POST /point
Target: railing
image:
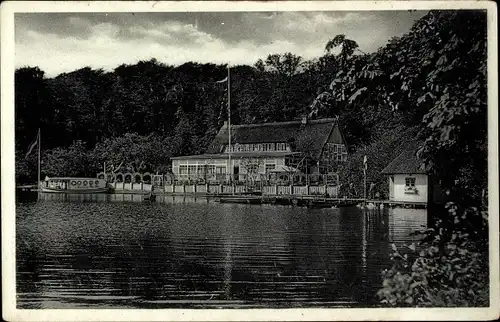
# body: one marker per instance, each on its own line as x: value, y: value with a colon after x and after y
x: 255, y: 180
x: 282, y: 184
x: 274, y: 190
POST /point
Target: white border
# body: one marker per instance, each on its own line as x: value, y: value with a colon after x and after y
x: 10, y: 312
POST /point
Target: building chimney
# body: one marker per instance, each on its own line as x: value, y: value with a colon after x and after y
x: 304, y: 119
x: 225, y: 124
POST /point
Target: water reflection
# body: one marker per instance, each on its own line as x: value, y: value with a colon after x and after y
x: 112, y: 252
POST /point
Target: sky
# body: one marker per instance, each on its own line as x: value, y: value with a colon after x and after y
x: 63, y: 42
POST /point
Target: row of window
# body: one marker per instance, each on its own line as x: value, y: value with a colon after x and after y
x: 219, y: 169
x: 258, y: 147
x: 202, y: 169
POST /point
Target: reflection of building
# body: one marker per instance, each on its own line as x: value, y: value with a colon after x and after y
x: 408, y: 182
x: 255, y: 150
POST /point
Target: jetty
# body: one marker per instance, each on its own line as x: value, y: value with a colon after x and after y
x: 314, y: 201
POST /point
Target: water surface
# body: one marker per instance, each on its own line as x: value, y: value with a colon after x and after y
x: 116, y: 251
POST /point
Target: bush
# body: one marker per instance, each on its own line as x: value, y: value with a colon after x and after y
x: 449, y: 268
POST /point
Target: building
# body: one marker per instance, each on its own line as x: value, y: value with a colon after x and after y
x: 265, y: 151
x: 407, y: 181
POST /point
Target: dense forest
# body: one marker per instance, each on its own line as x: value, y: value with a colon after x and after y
x: 428, y: 87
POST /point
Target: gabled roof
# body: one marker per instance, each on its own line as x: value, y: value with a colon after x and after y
x: 307, y: 138
x: 405, y: 163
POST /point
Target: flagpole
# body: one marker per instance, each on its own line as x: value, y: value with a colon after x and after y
x: 229, y: 118
x: 39, y: 161
x: 364, y: 172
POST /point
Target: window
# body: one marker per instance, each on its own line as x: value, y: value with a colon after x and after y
x: 211, y: 169
x: 191, y: 169
x: 410, y: 185
x: 335, y: 152
x: 254, y: 147
x: 270, y: 167
x: 220, y: 169
x: 410, y: 182
x: 281, y: 146
x: 183, y: 169
x: 201, y: 169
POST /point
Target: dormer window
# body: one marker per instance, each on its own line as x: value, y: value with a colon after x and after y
x: 281, y: 146
x: 257, y: 147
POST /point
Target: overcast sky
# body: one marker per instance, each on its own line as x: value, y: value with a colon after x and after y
x: 63, y: 42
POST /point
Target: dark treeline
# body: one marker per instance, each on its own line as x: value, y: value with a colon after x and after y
x: 429, y: 87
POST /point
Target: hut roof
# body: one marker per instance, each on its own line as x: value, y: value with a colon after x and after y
x: 406, y: 163
x: 308, y: 138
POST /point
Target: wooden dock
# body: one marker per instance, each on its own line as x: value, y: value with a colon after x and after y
x: 315, y: 201
x: 310, y: 201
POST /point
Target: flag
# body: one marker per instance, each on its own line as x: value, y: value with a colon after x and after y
x: 222, y: 81
x: 365, y: 163
x: 32, y: 146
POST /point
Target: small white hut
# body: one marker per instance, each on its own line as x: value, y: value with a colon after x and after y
x: 407, y: 181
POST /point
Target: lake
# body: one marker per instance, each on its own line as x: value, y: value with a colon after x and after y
x: 115, y: 251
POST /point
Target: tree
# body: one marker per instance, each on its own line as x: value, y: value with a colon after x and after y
x: 32, y: 107
x: 252, y: 167
x: 348, y: 47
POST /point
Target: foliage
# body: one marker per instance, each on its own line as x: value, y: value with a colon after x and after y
x: 348, y: 47
x: 435, y: 77
x: 437, y: 74
x: 70, y: 162
x: 132, y: 153
x: 252, y: 167
x: 380, y: 152
x: 448, y: 268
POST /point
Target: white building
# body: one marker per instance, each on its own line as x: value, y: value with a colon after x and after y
x: 261, y: 151
x: 407, y: 181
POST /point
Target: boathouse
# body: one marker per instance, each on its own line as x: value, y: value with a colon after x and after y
x: 408, y: 182
x: 268, y: 150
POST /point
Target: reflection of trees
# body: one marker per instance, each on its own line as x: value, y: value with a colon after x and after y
x: 28, y: 269
x: 346, y: 249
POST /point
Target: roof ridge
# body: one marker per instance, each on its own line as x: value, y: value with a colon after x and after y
x: 318, y: 121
